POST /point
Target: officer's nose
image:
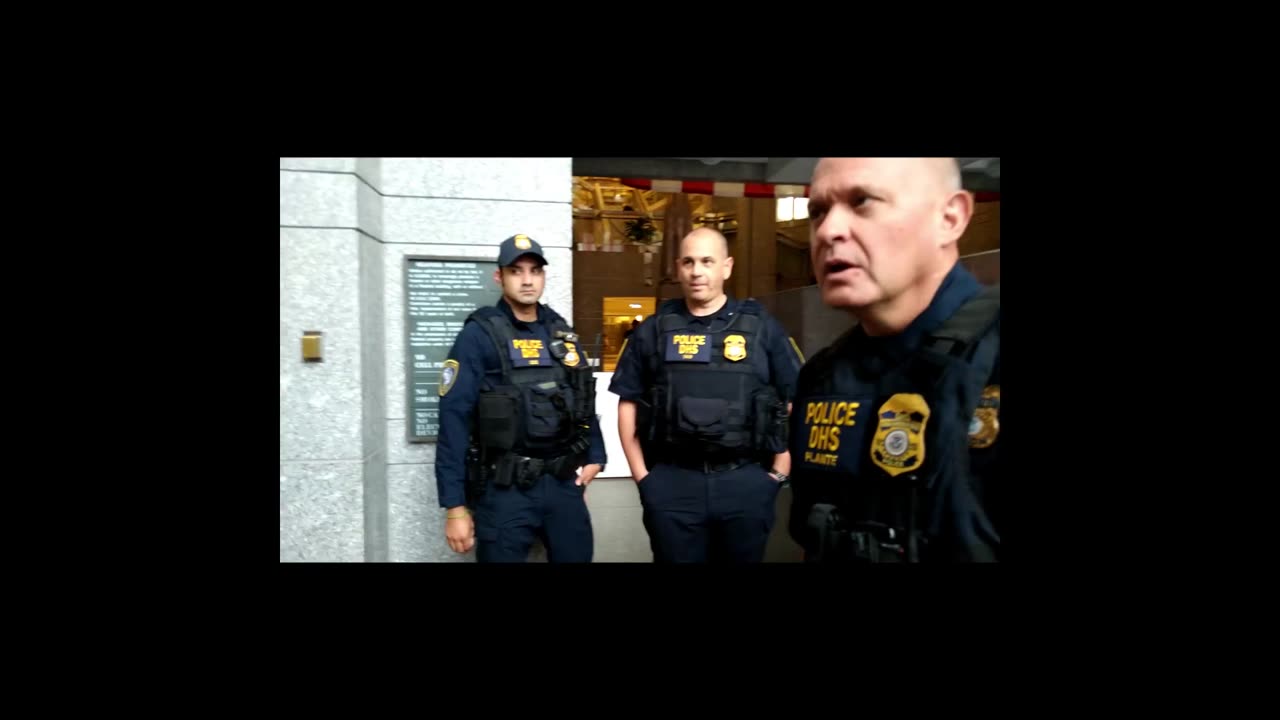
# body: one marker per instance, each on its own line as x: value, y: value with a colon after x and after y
x: 830, y: 230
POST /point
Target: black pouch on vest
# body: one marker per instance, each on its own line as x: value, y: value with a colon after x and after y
x: 496, y: 419
x: 769, y: 433
x: 548, y: 411
x: 650, y: 413
x: 702, y: 418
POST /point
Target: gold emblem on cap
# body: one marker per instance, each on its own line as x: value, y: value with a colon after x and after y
x: 522, y: 242
x: 985, y: 426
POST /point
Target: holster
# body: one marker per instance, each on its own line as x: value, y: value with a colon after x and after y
x: 824, y: 521
x: 835, y: 542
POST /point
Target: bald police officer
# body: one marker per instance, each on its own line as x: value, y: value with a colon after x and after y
x: 517, y: 422
x: 703, y: 386
x: 896, y: 424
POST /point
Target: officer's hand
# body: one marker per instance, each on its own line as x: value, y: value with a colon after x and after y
x: 588, y: 474
x: 460, y: 532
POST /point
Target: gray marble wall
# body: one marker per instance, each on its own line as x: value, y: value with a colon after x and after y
x: 351, y: 487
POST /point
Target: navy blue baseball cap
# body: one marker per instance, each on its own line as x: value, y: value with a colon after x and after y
x: 516, y: 247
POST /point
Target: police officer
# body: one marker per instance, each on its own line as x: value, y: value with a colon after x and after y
x: 517, y: 421
x: 895, y: 424
x: 703, y: 386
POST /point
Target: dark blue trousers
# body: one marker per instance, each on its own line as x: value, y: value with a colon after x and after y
x: 698, y: 517
x: 555, y: 511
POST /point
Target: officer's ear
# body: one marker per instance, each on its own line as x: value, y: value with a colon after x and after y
x: 728, y: 267
x: 497, y: 276
x: 956, y: 213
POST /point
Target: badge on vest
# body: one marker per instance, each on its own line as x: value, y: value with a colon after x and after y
x: 735, y: 348
x: 526, y: 352
x: 683, y: 347
x: 448, y: 376
x: 898, y: 445
x: 570, y: 358
x: 985, y: 426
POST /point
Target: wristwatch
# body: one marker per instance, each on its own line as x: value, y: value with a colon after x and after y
x: 782, y: 479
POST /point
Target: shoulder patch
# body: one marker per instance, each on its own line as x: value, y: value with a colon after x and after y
x: 448, y: 376
x: 796, y: 348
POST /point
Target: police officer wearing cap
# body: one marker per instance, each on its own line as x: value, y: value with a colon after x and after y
x: 517, y: 423
x: 895, y: 425
x: 703, y: 387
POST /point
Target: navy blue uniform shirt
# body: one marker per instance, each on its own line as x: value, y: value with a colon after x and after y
x: 779, y: 365
x: 480, y: 370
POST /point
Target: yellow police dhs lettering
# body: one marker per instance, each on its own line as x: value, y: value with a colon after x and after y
x: 687, y: 345
x: 824, y: 438
x: 829, y: 413
x: 824, y: 420
x: 528, y: 348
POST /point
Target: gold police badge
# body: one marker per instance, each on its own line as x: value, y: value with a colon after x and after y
x: 735, y: 347
x: 522, y: 242
x: 570, y: 358
x: 985, y: 426
x: 898, y: 445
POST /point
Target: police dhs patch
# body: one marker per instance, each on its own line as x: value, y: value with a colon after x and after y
x: 447, y: 376
x: 898, y: 445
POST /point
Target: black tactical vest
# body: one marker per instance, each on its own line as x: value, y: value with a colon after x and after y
x: 878, y: 441
x: 708, y: 399
x: 545, y: 399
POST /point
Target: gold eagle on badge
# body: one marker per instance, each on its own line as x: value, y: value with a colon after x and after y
x: 735, y: 348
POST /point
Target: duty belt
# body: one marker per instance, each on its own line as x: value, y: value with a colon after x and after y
x: 525, y: 471
x: 709, y: 465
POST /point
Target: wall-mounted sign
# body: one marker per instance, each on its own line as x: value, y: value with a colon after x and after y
x: 439, y: 295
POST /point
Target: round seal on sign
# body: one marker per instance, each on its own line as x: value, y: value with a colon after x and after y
x: 895, y: 443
